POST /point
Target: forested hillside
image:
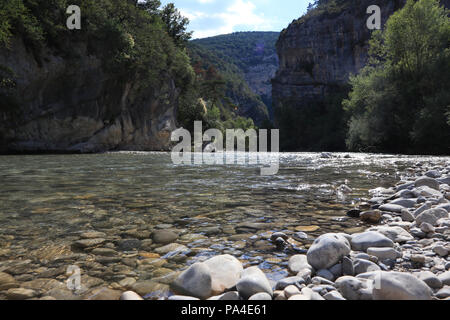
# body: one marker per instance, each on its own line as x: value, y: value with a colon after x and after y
x: 248, y: 56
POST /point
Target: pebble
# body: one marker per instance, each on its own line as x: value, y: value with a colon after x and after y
x: 106, y: 252
x: 430, y: 279
x: 391, y: 208
x: 426, y: 191
x: 426, y: 206
x: 300, y: 235
x: 277, y: 235
x: 279, y: 296
x: 253, y: 281
x: 427, y: 228
x: 416, y: 232
x: 433, y: 174
x: 363, y: 266
x: 183, y: 298
x: 418, y: 258
x: 336, y: 270
x: 311, y: 295
x: 88, y: 243
x: 334, y: 296
x: 445, y: 278
x: 164, y: 236
x: 326, y: 274
x: 283, y: 283
x: 262, y: 296
x: 371, y: 216
x: 347, y: 267
x: 130, y: 295
x: 319, y: 281
x: 228, y: 296
x: 369, y: 239
x: 428, y: 182
x: 328, y: 250
x: 7, y: 281
x: 395, y: 233
x: 290, y: 291
x: 353, y: 288
x: 299, y: 297
x: 195, y: 281
x: 398, y: 286
x: 173, y: 247
x: 225, y: 271
x: 405, y: 203
x: 20, y: 294
x: 384, y: 253
x: 297, y: 263
x: 129, y: 244
x: 104, y: 294
x: 431, y: 216
x: 443, y: 293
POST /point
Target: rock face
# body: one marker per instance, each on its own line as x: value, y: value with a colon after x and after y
x: 62, y: 108
x: 320, y: 50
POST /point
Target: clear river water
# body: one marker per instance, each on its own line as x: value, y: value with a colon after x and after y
x: 48, y: 201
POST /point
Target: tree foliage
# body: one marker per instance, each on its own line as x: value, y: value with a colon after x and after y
x: 398, y: 103
x: 129, y: 37
x: 176, y: 24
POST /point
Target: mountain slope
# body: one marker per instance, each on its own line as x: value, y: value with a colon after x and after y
x: 252, y: 55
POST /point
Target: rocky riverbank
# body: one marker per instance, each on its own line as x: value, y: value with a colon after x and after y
x: 403, y: 256
x: 392, y: 245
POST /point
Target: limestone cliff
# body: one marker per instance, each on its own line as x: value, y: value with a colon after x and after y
x: 61, y: 106
x: 321, y: 50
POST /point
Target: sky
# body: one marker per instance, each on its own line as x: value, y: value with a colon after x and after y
x: 213, y: 17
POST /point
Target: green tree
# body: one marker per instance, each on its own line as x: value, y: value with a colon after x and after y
x: 398, y: 103
x: 176, y: 24
x: 151, y: 6
x: 14, y: 15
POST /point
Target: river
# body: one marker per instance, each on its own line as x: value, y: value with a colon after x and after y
x: 47, y: 202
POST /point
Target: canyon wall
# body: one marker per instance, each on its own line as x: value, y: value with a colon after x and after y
x: 63, y: 105
x: 320, y: 50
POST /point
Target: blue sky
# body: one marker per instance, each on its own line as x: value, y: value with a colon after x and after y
x: 212, y: 17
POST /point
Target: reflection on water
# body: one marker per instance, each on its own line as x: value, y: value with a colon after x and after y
x: 47, y: 201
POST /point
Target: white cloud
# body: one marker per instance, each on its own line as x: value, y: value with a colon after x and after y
x: 240, y: 13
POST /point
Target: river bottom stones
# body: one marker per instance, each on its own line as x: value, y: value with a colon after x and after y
x: 406, y: 257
